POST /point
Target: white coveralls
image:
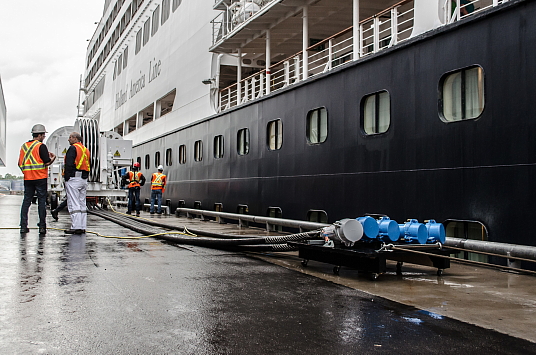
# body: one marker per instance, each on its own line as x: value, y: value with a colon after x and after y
x: 76, y: 200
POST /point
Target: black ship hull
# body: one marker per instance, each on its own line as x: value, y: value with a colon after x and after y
x: 473, y: 170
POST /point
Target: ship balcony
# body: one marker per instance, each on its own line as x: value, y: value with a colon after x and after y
x: 291, y: 41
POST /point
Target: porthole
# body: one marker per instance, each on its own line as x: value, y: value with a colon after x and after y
x: 376, y: 113
x: 461, y: 95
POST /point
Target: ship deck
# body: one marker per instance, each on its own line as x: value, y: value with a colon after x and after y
x: 89, y: 294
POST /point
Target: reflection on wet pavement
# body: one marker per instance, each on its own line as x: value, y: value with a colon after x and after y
x: 85, y: 294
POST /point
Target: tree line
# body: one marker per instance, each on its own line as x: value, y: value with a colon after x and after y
x: 8, y: 176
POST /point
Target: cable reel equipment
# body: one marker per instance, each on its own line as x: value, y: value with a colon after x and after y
x: 109, y: 154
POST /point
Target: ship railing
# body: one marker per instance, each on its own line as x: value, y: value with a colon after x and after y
x: 456, y: 10
x: 387, y: 28
x: 383, y: 30
x: 235, y: 14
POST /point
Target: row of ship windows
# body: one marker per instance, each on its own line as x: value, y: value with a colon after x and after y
x: 154, y: 111
x: 461, y: 98
x: 147, y: 31
x: 167, y: 7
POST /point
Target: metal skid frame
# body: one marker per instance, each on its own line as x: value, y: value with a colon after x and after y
x: 370, y: 260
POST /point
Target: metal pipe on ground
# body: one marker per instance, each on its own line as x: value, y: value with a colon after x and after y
x: 254, y: 219
x: 508, y: 250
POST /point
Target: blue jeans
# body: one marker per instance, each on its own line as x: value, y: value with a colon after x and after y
x: 156, y: 194
x: 134, y: 199
x: 31, y: 187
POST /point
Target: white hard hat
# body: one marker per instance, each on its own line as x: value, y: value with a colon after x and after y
x: 39, y: 128
x: 160, y: 167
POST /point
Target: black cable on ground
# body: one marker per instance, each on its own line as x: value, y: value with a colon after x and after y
x: 256, y: 243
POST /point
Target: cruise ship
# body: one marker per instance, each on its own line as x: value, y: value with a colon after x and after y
x: 326, y: 109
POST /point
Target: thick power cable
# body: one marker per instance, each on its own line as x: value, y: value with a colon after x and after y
x: 256, y: 243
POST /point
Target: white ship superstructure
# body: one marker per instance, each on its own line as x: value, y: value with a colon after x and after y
x: 145, y: 64
x: 157, y: 65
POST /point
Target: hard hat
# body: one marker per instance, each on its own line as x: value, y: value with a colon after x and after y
x: 160, y: 167
x: 39, y: 128
x: 136, y: 165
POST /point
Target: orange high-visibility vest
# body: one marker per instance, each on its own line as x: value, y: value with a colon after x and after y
x: 134, y: 178
x: 82, y: 157
x: 30, y: 161
x: 158, y: 181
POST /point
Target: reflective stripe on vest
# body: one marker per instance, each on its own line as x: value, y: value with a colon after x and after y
x: 158, y: 181
x: 30, y: 161
x: 134, y: 178
x: 82, y: 157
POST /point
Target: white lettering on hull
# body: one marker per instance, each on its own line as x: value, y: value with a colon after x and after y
x: 121, y: 97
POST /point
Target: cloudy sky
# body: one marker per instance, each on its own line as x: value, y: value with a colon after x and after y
x: 42, y: 50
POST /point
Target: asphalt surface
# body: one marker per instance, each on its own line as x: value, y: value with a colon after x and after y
x: 65, y: 294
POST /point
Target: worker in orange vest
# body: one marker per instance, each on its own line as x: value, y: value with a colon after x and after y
x: 34, y: 159
x: 135, y: 180
x: 158, y: 186
x: 76, y: 174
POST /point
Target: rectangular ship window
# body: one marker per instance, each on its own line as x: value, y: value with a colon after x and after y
x: 130, y: 124
x: 275, y: 134
x: 128, y: 15
x: 218, y: 147
x: 462, y: 94
x: 243, y: 141
x: 376, y: 113
x: 119, y: 129
x: 176, y: 4
x: 156, y: 20
x: 182, y: 154
x: 198, y: 150
x: 146, y: 115
x: 169, y: 159
x: 125, y: 57
x: 156, y: 159
x: 317, y: 125
x: 165, y: 10
x: 119, y: 64
x: 165, y: 104
x: 146, y: 29
x: 147, y: 161
x: 138, y: 41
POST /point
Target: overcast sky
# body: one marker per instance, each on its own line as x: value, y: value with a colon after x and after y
x: 42, y: 50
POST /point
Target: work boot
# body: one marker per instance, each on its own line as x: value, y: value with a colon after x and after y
x: 24, y: 230
x: 54, y: 214
x: 42, y: 230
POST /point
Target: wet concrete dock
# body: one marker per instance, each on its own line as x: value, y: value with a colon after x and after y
x: 91, y: 295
